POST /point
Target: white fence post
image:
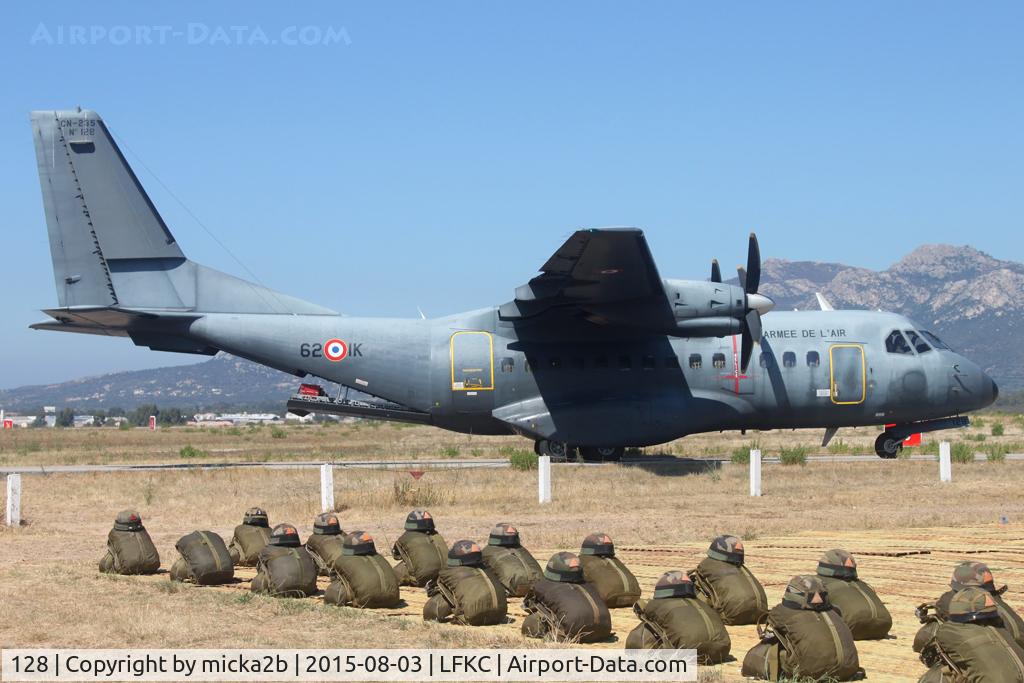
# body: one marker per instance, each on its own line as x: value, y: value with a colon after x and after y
x: 13, y: 500
x: 945, y: 465
x: 327, y: 487
x: 544, y: 479
x: 755, y: 472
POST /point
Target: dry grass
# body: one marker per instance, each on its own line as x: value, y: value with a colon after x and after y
x: 48, y: 579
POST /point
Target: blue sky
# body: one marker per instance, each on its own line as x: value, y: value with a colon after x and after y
x: 438, y: 154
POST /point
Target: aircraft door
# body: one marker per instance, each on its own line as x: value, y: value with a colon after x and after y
x: 472, y: 371
x: 847, y: 374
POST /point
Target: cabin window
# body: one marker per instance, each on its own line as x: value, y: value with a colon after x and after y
x: 897, y: 343
x: 920, y: 344
x: 813, y: 359
x: 789, y: 359
x: 649, y: 363
x: 936, y: 342
x: 625, y: 362
x: 696, y: 361
x: 672, y: 362
x: 765, y: 360
x: 718, y: 360
x: 507, y: 365
x: 601, y: 362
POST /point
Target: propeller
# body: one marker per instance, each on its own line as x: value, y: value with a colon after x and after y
x: 757, y: 304
x: 716, y: 272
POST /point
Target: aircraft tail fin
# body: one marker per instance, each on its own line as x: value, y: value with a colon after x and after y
x: 111, y: 248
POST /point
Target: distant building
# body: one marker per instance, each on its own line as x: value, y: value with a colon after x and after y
x: 83, y: 421
x: 50, y: 415
x: 217, y: 419
x: 303, y: 419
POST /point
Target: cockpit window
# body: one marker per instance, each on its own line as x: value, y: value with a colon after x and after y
x: 897, y: 343
x: 936, y: 342
x: 920, y: 344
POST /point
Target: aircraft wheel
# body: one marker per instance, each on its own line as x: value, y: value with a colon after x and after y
x: 557, y: 450
x: 602, y: 453
x: 887, y: 446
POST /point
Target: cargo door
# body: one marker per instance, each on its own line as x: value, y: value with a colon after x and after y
x: 472, y: 371
x: 847, y: 374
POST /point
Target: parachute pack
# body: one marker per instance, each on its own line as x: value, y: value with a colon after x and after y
x: 204, y: 560
x: 676, y: 619
x: 362, y: 578
x: 723, y: 580
x: 421, y: 551
x: 562, y: 607
x: 325, y: 545
x: 804, y: 638
x: 858, y: 604
x: 284, y: 567
x: 973, y: 644
x: 249, y: 538
x: 510, y: 562
x: 614, y: 582
x: 130, y: 550
x: 465, y: 592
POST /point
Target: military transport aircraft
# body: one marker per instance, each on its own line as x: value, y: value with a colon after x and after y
x: 596, y: 353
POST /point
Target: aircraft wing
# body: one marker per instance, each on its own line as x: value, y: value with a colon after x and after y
x: 606, y: 276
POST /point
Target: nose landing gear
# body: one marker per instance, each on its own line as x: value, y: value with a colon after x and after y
x: 888, y: 446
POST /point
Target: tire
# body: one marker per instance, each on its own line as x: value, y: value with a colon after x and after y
x: 602, y: 453
x: 887, y: 446
x: 556, y: 450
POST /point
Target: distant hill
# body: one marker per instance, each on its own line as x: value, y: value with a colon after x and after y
x: 972, y: 300
x: 221, y: 382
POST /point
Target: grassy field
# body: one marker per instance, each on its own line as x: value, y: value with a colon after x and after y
x: 375, y: 440
x: 660, y: 518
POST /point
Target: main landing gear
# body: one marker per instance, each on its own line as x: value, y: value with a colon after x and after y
x: 888, y: 446
x: 560, y: 451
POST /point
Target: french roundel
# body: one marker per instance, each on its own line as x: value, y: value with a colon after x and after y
x: 335, y: 349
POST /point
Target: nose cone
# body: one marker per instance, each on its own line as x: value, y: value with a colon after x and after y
x: 760, y: 303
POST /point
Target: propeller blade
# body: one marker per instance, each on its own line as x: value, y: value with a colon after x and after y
x: 716, y: 272
x: 746, y: 349
x: 753, y: 266
x: 742, y: 273
x: 753, y: 320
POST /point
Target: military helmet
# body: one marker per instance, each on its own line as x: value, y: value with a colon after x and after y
x: 727, y: 549
x: 806, y: 592
x: 839, y: 564
x: 128, y: 520
x: 419, y: 520
x: 504, y: 535
x: 285, y: 535
x: 465, y: 554
x: 674, y: 584
x: 358, y: 543
x: 255, y: 517
x: 598, y: 544
x: 564, y: 567
x: 972, y: 575
x: 972, y: 605
x: 327, y: 524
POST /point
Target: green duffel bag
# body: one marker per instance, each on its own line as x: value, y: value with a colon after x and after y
x: 564, y: 608
x: 284, y: 568
x: 975, y: 645
x: 856, y: 601
x: 130, y: 550
x: 815, y: 641
x: 249, y: 538
x: 325, y: 545
x: 723, y: 580
x: 978, y: 575
x: 362, y: 578
x: 421, y: 551
x: 762, y: 661
x: 678, y: 620
x: 465, y: 591
x: 614, y: 582
x: 204, y: 560
x: 510, y: 562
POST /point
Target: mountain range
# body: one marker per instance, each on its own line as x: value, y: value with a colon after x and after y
x: 973, y: 301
